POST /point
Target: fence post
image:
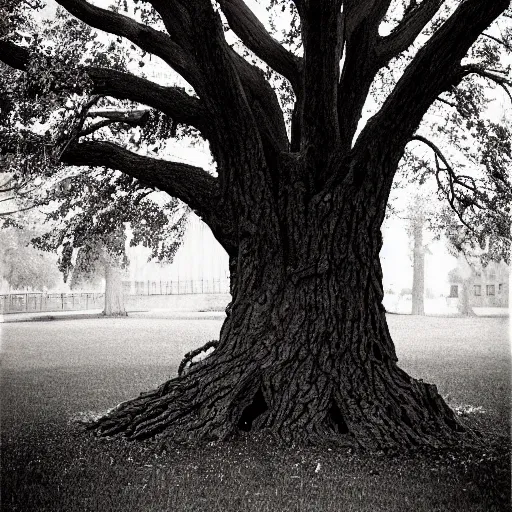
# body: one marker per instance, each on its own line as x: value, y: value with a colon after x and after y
x: 62, y: 300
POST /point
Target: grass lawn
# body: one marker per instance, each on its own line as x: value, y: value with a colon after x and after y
x: 53, y: 372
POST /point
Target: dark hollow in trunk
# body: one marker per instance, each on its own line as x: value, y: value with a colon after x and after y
x: 305, y: 352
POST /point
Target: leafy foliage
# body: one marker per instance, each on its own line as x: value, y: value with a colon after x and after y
x: 98, y: 207
x: 90, y: 210
x: 21, y: 265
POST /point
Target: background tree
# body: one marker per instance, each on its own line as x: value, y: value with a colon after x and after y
x: 418, y: 214
x: 305, y: 352
x: 89, y: 229
x: 85, y: 212
x: 418, y: 277
x: 463, y: 276
x: 22, y: 266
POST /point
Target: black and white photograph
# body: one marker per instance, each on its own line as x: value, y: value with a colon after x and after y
x: 255, y: 255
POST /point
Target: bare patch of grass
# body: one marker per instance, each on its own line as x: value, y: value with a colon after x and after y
x: 55, y: 372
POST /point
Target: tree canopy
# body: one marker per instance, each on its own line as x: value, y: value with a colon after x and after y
x: 387, y: 50
x: 22, y: 266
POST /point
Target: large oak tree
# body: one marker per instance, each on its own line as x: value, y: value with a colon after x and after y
x: 305, y: 352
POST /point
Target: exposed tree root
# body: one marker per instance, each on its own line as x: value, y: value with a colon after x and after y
x: 195, y: 356
x: 372, y: 406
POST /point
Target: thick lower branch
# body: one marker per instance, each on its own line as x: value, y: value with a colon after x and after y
x: 173, y: 101
x: 192, y: 185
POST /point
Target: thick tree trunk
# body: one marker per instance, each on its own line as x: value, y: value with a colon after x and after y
x: 114, y: 296
x: 305, y: 352
x: 418, y: 275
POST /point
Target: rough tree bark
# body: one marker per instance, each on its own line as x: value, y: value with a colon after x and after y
x: 305, y: 352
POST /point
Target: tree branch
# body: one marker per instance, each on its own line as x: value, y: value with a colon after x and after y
x: 147, y: 38
x: 453, y: 179
x: 497, y: 40
x: 128, y: 117
x: 95, y: 127
x: 322, y: 38
x: 172, y: 101
x: 446, y: 102
x: 407, y: 31
x: 502, y: 81
x: 131, y: 117
x: 434, y: 69
x: 31, y: 207
x: 263, y: 102
x: 251, y: 31
x: 361, y: 27
x: 13, y: 55
x: 192, y: 185
x: 434, y: 148
x: 360, y: 12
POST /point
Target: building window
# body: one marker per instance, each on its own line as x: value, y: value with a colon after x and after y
x: 500, y: 288
x: 454, y: 290
x: 478, y: 290
x: 490, y: 289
